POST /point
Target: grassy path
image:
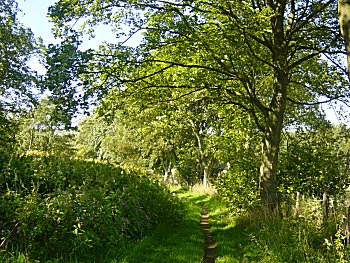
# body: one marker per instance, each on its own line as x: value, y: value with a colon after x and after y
x: 252, y: 238
x: 179, y: 241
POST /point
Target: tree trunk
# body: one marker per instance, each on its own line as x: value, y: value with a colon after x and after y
x: 205, y: 176
x: 167, y: 173
x: 31, y: 139
x: 275, y: 114
x: 270, y: 146
x: 297, y: 205
x: 345, y: 228
x: 207, y: 171
x: 268, y: 169
x: 166, y: 176
x: 325, y: 206
x: 344, y: 21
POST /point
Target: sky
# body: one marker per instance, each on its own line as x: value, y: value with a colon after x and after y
x: 35, y: 16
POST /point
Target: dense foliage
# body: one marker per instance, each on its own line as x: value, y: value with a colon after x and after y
x: 64, y: 208
x: 17, y: 46
x: 315, y: 161
x: 222, y: 93
x: 17, y: 79
x: 265, y: 57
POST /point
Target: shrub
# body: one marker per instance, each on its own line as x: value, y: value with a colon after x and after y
x: 64, y: 208
x: 239, y: 189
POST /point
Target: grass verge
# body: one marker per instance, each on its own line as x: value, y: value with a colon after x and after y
x: 256, y: 238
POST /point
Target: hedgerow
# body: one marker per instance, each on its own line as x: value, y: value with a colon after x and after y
x: 54, y: 207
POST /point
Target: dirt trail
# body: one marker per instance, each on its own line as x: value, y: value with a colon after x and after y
x: 209, y: 250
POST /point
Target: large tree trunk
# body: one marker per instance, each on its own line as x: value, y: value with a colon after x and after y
x: 344, y: 20
x: 270, y: 147
x: 272, y: 137
x: 268, y: 168
x: 275, y: 114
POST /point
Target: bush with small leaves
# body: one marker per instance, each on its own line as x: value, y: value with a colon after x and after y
x: 59, y: 207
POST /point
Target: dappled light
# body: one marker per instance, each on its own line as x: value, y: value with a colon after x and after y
x: 184, y: 131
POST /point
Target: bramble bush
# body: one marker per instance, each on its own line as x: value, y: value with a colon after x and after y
x: 54, y: 207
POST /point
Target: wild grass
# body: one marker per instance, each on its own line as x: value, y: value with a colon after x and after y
x: 254, y: 237
x: 178, y: 242
x: 199, y: 189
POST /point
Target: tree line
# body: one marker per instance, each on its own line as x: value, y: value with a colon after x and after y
x: 230, y: 91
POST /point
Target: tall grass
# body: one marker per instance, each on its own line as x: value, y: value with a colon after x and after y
x: 249, y: 237
x: 254, y: 237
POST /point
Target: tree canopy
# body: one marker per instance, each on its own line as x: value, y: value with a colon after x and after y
x: 17, y: 46
x: 17, y: 79
x: 268, y: 58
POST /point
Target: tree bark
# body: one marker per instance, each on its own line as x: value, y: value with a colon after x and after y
x: 344, y: 21
x: 271, y: 142
x: 268, y: 168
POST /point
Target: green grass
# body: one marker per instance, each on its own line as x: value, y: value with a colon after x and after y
x: 178, y: 241
x: 257, y: 238
x: 245, y: 238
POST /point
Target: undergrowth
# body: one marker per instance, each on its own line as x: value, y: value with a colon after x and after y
x: 65, y: 209
x: 125, y: 207
x: 254, y: 237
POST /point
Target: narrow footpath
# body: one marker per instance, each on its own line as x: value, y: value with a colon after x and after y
x: 209, y: 249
